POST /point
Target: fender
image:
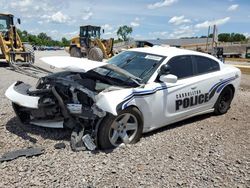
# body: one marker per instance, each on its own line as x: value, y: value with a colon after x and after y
x: 115, y: 101
x: 108, y: 101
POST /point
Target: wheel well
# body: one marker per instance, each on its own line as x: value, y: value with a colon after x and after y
x: 216, y: 107
x: 231, y: 87
x: 133, y: 106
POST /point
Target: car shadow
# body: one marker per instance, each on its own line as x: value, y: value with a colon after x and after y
x: 185, y: 122
x: 25, y: 131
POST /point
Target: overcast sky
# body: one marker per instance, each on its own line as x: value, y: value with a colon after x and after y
x: 150, y: 19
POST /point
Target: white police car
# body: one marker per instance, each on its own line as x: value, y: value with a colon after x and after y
x: 136, y: 91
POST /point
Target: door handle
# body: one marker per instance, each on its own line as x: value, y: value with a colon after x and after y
x: 193, y: 87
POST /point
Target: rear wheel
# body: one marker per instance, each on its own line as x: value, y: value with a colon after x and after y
x: 75, y: 52
x: 126, y: 128
x: 223, y: 103
x: 95, y: 54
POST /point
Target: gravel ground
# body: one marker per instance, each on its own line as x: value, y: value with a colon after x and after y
x: 205, y: 151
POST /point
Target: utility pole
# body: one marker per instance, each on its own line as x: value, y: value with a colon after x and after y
x: 207, y: 38
x: 215, y: 38
x: 216, y: 35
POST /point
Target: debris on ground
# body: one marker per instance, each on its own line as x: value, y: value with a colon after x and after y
x: 60, y: 145
x: 29, y: 152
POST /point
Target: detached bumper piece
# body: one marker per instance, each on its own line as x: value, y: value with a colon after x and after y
x: 80, y: 141
x: 29, y: 152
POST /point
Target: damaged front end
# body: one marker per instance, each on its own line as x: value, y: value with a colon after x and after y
x: 62, y: 100
x: 78, y: 98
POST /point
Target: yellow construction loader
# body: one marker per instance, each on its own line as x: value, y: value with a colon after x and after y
x: 13, y: 51
x: 89, y: 44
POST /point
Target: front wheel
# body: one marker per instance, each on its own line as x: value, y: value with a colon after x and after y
x: 75, y: 52
x: 223, y: 102
x: 126, y: 128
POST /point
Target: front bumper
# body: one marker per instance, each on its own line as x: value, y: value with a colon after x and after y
x: 17, y: 93
x: 39, y: 111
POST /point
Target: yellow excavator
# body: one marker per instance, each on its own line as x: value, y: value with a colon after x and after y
x: 13, y: 51
x: 89, y: 44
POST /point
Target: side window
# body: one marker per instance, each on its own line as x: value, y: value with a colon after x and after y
x: 205, y: 65
x: 181, y: 66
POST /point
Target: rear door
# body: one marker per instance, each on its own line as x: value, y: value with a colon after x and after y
x: 210, y: 80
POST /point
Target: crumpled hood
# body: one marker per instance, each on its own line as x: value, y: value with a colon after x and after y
x: 72, y: 63
x: 84, y: 65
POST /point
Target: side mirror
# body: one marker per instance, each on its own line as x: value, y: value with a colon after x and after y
x: 19, y: 21
x: 170, y: 78
x: 102, y: 30
x: 165, y: 69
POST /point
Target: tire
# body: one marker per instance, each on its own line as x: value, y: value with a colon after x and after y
x: 95, y: 54
x: 224, y: 100
x: 75, y: 52
x: 114, y: 130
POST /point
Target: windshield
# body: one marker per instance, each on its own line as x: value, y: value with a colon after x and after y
x: 4, y: 23
x: 141, y: 65
x: 95, y: 33
x: 92, y: 32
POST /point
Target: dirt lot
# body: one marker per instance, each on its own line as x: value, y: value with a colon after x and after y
x: 205, y: 151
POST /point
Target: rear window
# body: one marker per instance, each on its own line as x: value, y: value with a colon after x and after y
x: 205, y: 65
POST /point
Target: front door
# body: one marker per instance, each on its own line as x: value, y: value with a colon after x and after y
x: 173, y: 101
x: 185, y: 95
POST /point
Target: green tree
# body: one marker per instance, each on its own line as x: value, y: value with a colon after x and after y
x: 224, y: 37
x: 237, y: 37
x: 42, y: 39
x: 65, y: 42
x: 231, y: 37
x: 44, y: 36
x: 23, y: 35
x: 123, y: 32
x: 210, y: 35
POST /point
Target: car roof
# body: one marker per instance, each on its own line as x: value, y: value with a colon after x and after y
x: 171, y: 51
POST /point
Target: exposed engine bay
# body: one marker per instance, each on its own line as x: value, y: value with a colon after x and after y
x: 69, y: 98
